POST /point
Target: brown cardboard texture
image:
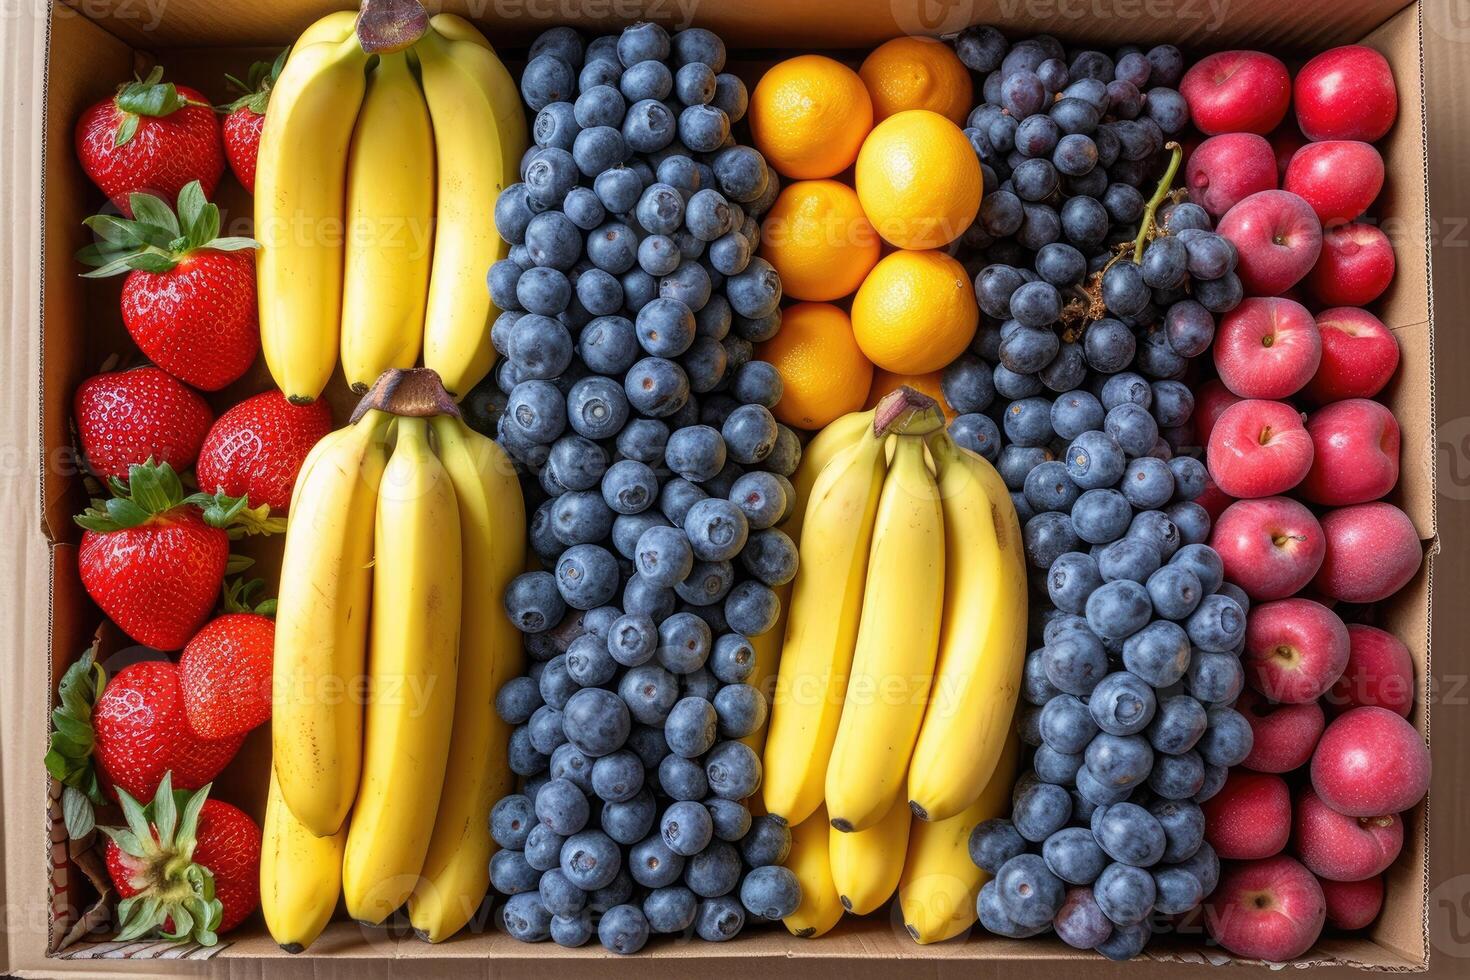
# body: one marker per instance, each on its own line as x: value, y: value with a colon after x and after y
x: 92, y: 45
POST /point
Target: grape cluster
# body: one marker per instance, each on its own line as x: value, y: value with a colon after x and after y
x: 1069, y: 150
x: 632, y: 302
x: 1101, y: 296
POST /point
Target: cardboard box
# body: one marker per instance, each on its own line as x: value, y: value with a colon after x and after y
x: 93, y: 43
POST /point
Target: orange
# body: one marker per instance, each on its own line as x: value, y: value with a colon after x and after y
x: 809, y: 115
x: 885, y: 381
x: 917, y: 73
x: 818, y: 238
x: 823, y: 373
x: 918, y: 179
x: 915, y: 312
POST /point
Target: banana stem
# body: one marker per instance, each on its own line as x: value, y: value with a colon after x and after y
x: 407, y: 392
x: 907, y: 411
x: 384, y: 26
x: 1176, y: 154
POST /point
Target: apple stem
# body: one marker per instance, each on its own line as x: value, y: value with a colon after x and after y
x: 1166, y: 183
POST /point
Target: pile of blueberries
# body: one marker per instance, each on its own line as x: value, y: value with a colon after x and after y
x: 1076, y: 397
x: 632, y: 402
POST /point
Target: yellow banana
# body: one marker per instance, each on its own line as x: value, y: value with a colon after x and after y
x: 390, y: 226
x: 821, y: 629
x: 893, y: 661
x: 300, y: 876
x: 940, y: 883
x: 982, y: 645
x: 415, y: 648
x: 810, y: 861
x: 322, y: 624
x: 335, y: 26
x: 814, y: 458
x: 492, y: 521
x: 456, y: 28
x: 299, y: 199
x: 479, y: 137
x: 866, y: 864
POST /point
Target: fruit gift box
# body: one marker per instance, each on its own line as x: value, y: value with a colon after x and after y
x: 197, y: 43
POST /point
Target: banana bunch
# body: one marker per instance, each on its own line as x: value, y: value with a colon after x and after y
x: 903, y: 648
x: 388, y: 137
x: 391, y: 641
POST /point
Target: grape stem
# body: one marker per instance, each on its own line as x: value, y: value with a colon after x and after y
x: 1176, y: 154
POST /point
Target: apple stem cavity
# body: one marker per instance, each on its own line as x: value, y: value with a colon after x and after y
x: 1166, y: 183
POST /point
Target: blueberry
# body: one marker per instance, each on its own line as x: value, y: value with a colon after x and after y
x: 670, y: 909
x: 608, y: 345
x: 656, y: 387
x: 539, y: 347
x: 733, y: 769
x: 684, y: 644
x: 1095, y: 460
x: 1125, y: 893
x: 619, y: 188
x: 993, y: 915
x: 993, y: 842
x: 690, y: 728
x: 546, y: 79
x: 689, y: 284
x: 756, y: 291
x: 543, y: 848
x: 546, y: 729
x: 1227, y: 739
x: 628, y: 822
x: 1075, y: 662
x: 556, y: 683
x: 1056, y: 767
x: 596, y: 721
x: 511, y: 820
x: 643, y: 41
x: 1119, y: 609
x: 1066, y: 724
x: 1155, y: 526
x: 771, y: 892
x: 568, y: 763
x: 751, y: 608
x: 525, y: 918
x: 1119, y: 761
x: 599, y: 71
x: 1177, y: 777
x: 516, y: 700
x: 1041, y: 809
x: 771, y: 556
x: 730, y: 96
x: 612, y: 247
x: 1048, y: 536
x: 1129, y: 834
x: 1159, y: 653
x: 533, y: 602
x: 1074, y: 856
x: 979, y: 434
x: 740, y: 709
x: 1072, y: 577
x: 1217, y: 625
x: 1028, y: 891
x: 686, y: 829
x: 588, y: 661
x: 1098, y: 793
x: 559, y: 895
x: 652, y: 863
x: 650, y: 692
x: 599, y: 105
x: 1175, y: 591
x: 1122, y: 704
x: 1129, y: 558
x: 717, y: 528
x: 682, y: 779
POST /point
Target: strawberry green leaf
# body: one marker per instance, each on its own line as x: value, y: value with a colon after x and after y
x: 236, y: 564
x: 150, y: 210
x: 126, y: 130
x: 77, y: 812
x: 151, y: 489
x: 115, y: 231
x: 150, y: 96
x: 69, y: 755
x: 235, y: 515
x: 239, y: 597
x: 255, y: 90
x: 149, y: 262
x: 233, y: 244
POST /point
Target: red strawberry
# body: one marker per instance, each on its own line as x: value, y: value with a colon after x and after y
x: 189, y: 297
x: 127, y: 417
x: 151, y: 136
x: 225, y: 671
x: 245, y: 117
x: 185, y: 866
x: 140, y: 733
x: 153, y: 560
x: 256, y: 449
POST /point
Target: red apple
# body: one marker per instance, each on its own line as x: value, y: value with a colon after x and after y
x: 1229, y: 167
x: 1266, y: 910
x: 1237, y: 92
x: 1346, y: 94
x: 1267, y: 348
x: 1355, y: 453
x: 1355, y: 267
x: 1271, y: 547
x: 1369, y: 762
x: 1250, y: 817
x: 1295, y: 649
x: 1284, y: 734
x: 1278, y: 237
x: 1353, y: 904
x: 1342, y: 848
x: 1214, y: 500
x: 1379, y: 672
x: 1359, y: 355
x: 1285, y: 141
x: 1258, y: 449
x: 1210, y: 399
x: 1372, y: 552
x: 1338, y: 178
